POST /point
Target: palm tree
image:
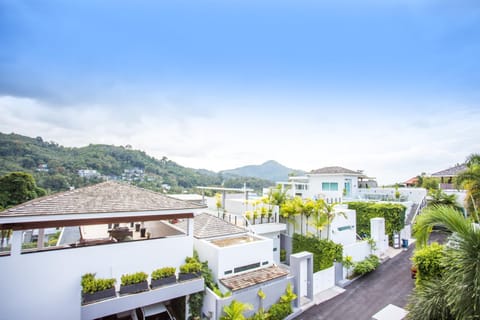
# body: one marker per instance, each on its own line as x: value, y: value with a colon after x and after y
x: 235, y: 310
x: 320, y: 218
x: 470, y: 181
x: 331, y: 214
x: 459, y: 286
x: 277, y: 197
x: 438, y: 197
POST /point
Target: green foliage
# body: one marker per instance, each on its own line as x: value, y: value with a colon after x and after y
x: 283, y: 254
x: 163, y: 273
x: 428, y: 261
x: 20, y: 153
x: 91, y: 285
x: 235, y: 310
x: 279, y: 311
x: 430, y: 183
x: 429, y: 302
x: 128, y: 279
x: 195, y: 303
x: 368, y: 265
x: 394, y: 215
x: 191, y: 267
x: 18, y: 187
x: 219, y: 293
x: 325, y: 252
x: 261, y: 294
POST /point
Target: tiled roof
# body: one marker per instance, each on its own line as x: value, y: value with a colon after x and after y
x: 335, y: 170
x: 450, y: 172
x: 208, y: 226
x: 251, y: 278
x: 104, y: 197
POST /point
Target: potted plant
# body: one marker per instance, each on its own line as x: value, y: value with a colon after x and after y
x: 163, y: 276
x: 96, y: 289
x: 190, y: 270
x: 133, y: 283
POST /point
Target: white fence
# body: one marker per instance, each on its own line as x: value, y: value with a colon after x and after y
x: 323, y: 280
x: 358, y: 251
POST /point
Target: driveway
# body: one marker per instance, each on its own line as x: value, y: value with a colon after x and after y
x: 390, y: 283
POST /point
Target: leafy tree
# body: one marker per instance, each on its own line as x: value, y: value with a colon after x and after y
x: 457, y: 293
x: 470, y: 180
x: 18, y: 187
x: 235, y: 310
x: 430, y: 183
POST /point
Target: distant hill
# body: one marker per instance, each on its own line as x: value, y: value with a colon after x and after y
x: 270, y: 170
x: 55, y: 167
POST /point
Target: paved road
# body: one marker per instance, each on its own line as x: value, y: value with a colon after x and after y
x: 390, y: 283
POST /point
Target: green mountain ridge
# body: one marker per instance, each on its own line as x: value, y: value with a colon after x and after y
x: 55, y: 167
x: 270, y: 170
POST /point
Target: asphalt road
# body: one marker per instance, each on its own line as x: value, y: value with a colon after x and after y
x: 390, y: 283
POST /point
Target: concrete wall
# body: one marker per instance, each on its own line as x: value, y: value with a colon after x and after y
x: 221, y: 259
x: 315, y: 187
x: 323, y: 280
x: 411, y: 194
x: 46, y: 285
x: 358, y: 251
x: 273, y: 290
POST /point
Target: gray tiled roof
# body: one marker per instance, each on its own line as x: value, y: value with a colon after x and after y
x: 251, y: 278
x: 450, y: 172
x: 335, y: 170
x: 208, y: 226
x: 104, y: 197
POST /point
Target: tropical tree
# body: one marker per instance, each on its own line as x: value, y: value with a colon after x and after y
x: 18, y: 187
x: 438, y: 197
x: 291, y: 209
x: 320, y: 219
x: 470, y: 181
x: 235, y: 310
x: 277, y: 197
x: 456, y: 295
x: 331, y: 213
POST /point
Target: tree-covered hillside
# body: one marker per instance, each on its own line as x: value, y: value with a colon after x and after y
x: 57, y: 168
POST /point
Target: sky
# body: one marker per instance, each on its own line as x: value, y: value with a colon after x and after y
x: 388, y: 87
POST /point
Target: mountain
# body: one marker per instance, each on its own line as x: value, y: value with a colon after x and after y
x: 56, y: 168
x: 270, y: 170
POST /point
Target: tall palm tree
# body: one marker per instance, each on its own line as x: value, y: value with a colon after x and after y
x: 438, y: 197
x: 461, y: 280
x: 470, y: 181
x: 320, y: 218
x: 235, y: 310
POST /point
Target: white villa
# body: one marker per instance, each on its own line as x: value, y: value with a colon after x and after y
x: 330, y: 183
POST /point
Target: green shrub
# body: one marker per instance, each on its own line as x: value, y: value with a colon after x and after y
x: 191, y: 267
x: 428, y: 261
x: 163, y: 273
x: 92, y: 285
x: 279, y: 311
x: 394, y: 215
x: 283, y: 255
x: 368, y: 265
x: 128, y: 279
x: 325, y: 252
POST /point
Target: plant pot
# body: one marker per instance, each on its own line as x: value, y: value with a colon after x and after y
x: 188, y: 276
x: 99, y: 295
x: 163, y: 281
x: 134, y: 288
x: 143, y: 231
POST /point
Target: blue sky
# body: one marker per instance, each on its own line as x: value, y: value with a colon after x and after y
x: 389, y: 87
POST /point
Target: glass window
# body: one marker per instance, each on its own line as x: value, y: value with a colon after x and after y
x: 329, y: 186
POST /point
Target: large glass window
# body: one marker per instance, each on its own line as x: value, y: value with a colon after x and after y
x: 329, y: 186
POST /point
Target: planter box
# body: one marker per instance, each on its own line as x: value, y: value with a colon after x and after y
x: 99, y: 295
x: 188, y: 276
x: 163, y: 281
x: 134, y: 288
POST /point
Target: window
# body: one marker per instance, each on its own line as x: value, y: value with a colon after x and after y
x: 329, y: 186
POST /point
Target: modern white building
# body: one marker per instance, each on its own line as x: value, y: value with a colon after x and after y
x: 109, y: 229
x: 330, y: 183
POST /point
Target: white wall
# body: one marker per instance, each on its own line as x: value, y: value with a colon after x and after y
x: 46, y: 285
x: 358, y: 251
x: 221, y: 259
x: 323, y: 280
x: 346, y: 236
x: 412, y: 194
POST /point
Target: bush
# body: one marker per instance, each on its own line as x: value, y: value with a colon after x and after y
x: 128, y: 279
x: 92, y: 285
x: 191, y: 267
x: 428, y: 261
x: 325, y: 252
x: 163, y: 273
x: 394, y: 215
x: 279, y: 311
x: 368, y: 265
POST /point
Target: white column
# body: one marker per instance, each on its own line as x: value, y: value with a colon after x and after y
x: 16, y: 248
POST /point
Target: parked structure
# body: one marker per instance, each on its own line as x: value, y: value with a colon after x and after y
x: 109, y: 229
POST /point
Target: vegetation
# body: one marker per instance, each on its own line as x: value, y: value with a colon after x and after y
x: 394, y: 215
x: 348, y: 264
x: 18, y: 187
x: 456, y: 294
x: 128, y: 279
x: 163, y: 273
x: 91, y: 285
x: 368, y: 265
x: 440, y: 198
x: 428, y: 262
x: 470, y: 181
x: 25, y: 154
x: 235, y: 310
x: 325, y: 252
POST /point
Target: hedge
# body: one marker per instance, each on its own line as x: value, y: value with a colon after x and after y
x: 428, y: 261
x: 394, y: 215
x: 325, y: 252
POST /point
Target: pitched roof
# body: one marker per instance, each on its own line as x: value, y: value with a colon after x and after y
x: 104, y: 197
x: 450, y: 172
x: 335, y: 170
x: 254, y: 277
x: 208, y: 226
